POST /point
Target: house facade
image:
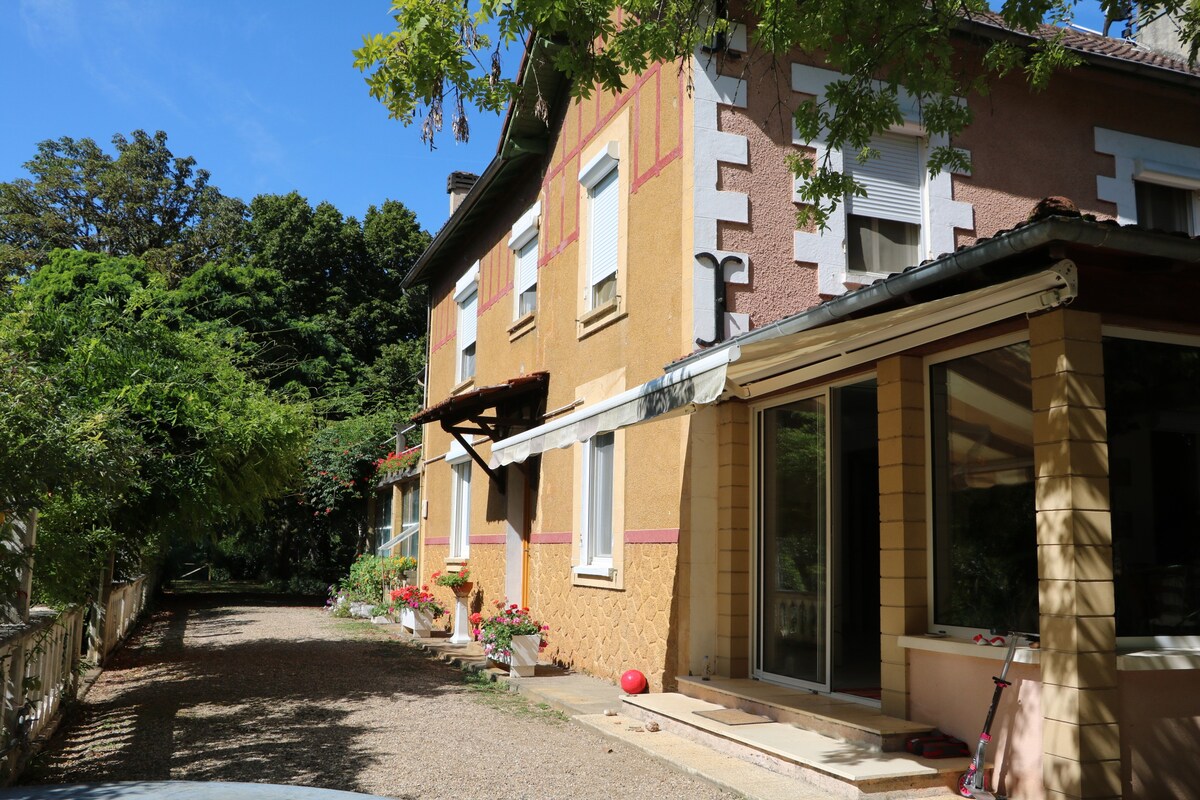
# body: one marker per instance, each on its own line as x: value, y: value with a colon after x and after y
x: 698, y: 441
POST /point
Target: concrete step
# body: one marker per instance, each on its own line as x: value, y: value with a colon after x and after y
x: 845, y: 769
x: 837, y: 717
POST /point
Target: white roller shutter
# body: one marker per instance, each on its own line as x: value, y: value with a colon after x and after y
x: 467, y: 312
x: 527, y: 258
x: 603, y: 229
x: 892, y: 181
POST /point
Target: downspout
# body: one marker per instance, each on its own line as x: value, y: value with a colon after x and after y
x: 719, y: 298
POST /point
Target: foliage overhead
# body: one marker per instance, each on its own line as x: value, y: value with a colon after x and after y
x: 145, y: 202
x: 165, y: 434
x: 438, y: 56
x: 179, y: 367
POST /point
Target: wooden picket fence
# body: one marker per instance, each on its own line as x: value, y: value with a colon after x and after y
x: 40, y: 667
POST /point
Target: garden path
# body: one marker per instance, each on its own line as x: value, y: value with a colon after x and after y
x: 227, y: 688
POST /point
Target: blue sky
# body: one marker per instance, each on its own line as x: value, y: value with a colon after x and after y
x: 262, y: 94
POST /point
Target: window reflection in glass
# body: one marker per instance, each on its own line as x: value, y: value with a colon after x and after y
x: 985, y: 535
x: 1152, y: 392
x: 792, y: 594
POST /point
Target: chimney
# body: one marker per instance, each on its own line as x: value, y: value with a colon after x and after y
x: 457, y: 186
x: 1162, y: 35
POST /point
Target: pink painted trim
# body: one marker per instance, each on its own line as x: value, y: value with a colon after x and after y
x: 436, y: 541
x: 503, y: 293
x: 563, y: 245
x: 487, y: 538
x: 664, y: 536
x: 442, y: 343
x: 550, y: 538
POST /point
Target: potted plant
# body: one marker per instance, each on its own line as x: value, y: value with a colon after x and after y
x: 511, y: 636
x: 458, y: 582
x: 417, y: 608
x: 395, y: 571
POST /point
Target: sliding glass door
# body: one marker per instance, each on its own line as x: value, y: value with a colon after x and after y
x: 792, y: 566
x: 817, y: 620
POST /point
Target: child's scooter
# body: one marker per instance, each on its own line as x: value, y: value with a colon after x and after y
x: 973, y: 782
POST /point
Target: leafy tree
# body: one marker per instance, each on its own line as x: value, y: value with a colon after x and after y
x: 145, y: 202
x: 183, y: 440
x: 438, y: 56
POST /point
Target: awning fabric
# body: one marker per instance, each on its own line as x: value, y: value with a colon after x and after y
x: 699, y: 383
x: 766, y: 361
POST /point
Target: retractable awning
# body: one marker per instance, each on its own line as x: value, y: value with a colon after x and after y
x: 679, y: 391
x: 792, y: 352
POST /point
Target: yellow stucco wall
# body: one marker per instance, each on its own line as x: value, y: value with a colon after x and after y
x: 599, y: 630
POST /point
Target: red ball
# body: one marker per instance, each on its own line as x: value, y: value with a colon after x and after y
x: 634, y: 682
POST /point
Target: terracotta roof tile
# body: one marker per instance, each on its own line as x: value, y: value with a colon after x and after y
x: 1096, y: 44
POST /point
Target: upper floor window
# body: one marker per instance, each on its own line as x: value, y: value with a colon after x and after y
x: 524, y: 244
x: 1155, y: 183
x: 1164, y: 208
x: 883, y: 229
x: 466, y: 295
x: 908, y: 214
x: 600, y: 177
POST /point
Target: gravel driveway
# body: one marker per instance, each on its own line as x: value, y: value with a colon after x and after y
x: 214, y: 689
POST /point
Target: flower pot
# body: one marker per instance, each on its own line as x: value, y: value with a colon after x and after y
x: 463, y: 590
x: 523, y: 661
x: 419, y: 622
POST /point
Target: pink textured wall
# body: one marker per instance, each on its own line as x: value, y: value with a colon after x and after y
x: 1024, y: 145
x: 779, y: 286
x: 1016, y: 748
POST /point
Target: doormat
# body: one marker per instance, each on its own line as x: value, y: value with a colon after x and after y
x: 733, y: 716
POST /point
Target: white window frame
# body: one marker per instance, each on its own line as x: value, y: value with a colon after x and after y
x: 1140, y: 158
x: 385, y: 496
x: 466, y: 298
x: 601, y: 166
x: 460, y: 502
x: 591, y: 563
x: 525, y: 233
x: 941, y: 213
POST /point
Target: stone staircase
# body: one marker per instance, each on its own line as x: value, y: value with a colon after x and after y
x: 847, y: 748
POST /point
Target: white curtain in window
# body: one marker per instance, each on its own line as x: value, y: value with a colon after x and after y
x: 603, y: 232
x: 892, y: 181
x: 460, y: 534
x: 601, y: 496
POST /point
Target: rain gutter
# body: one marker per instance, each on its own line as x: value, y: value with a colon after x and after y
x: 964, y: 263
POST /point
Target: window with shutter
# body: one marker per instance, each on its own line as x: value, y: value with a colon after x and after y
x: 526, y: 278
x: 467, y: 315
x: 524, y: 244
x: 883, y: 229
x: 603, y: 199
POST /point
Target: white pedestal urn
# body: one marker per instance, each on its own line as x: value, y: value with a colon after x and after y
x: 525, y: 649
x: 462, y: 622
x: 419, y: 622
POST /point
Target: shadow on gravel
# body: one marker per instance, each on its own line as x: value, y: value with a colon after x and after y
x: 270, y: 710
